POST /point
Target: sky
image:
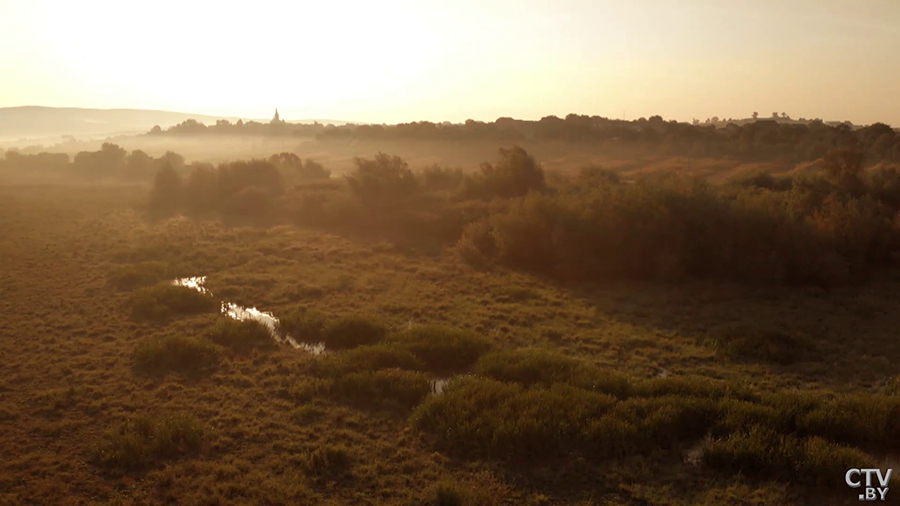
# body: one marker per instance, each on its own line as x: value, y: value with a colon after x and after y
x: 410, y: 60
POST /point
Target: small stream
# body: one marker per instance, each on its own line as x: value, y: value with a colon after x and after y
x: 242, y: 313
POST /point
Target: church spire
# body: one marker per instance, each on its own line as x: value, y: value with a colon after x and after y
x: 277, y: 118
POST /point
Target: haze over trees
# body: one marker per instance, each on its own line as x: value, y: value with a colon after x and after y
x: 779, y: 137
x: 588, y: 320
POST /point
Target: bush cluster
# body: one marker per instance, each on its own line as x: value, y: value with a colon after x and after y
x: 144, y: 440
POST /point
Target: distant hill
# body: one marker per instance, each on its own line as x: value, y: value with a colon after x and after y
x: 36, y: 123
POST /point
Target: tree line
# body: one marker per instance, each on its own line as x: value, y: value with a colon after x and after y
x: 837, y: 225
x: 760, y: 139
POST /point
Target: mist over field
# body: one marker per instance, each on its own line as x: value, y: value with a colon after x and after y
x: 569, y: 253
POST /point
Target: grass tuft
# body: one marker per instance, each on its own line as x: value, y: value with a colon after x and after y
x: 765, y: 454
x: 744, y: 342
x: 140, y: 442
x: 241, y: 336
x: 303, y: 325
x: 329, y: 461
x: 163, y: 301
x: 527, y: 366
x: 367, y: 359
x: 387, y: 387
x: 139, y: 275
x: 443, y: 349
x: 352, y: 331
x: 159, y: 355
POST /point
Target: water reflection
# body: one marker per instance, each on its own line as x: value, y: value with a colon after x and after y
x: 242, y: 313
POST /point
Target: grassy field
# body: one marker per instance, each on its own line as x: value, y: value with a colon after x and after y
x: 106, y: 404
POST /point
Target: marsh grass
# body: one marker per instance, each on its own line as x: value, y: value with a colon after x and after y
x: 241, y: 335
x: 175, y: 353
x: 762, y: 453
x: 527, y: 366
x: 139, y: 275
x: 368, y: 358
x: 267, y: 408
x: 330, y: 461
x: 382, y: 388
x: 441, y: 349
x: 447, y: 493
x: 763, y: 344
x: 144, y: 441
x: 54, y: 401
x: 161, y: 302
x: 352, y: 331
x: 871, y: 421
x: 536, y: 406
x: 303, y: 325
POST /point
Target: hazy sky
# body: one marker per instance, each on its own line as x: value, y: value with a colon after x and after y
x: 399, y: 60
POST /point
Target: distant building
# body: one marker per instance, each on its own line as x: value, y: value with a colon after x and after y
x: 277, y: 119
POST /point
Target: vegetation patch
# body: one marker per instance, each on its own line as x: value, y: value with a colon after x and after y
x: 352, y: 331
x: 528, y: 366
x: 303, y: 325
x: 765, y: 454
x: 746, y: 342
x: 386, y: 387
x: 330, y: 461
x: 867, y: 421
x: 143, y: 441
x: 163, y: 301
x: 181, y: 354
x: 241, y: 335
x: 368, y: 358
x: 443, y: 349
x: 139, y: 275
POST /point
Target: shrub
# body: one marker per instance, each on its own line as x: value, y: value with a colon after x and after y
x: 383, y: 387
x: 352, y: 331
x: 658, y: 423
x: 313, y: 171
x: 594, y: 176
x: 502, y: 420
x: 767, y: 181
x: 241, y: 335
x: 162, y: 301
x: 476, y: 245
x: 745, y: 342
x: 140, y: 442
x: 175, y: 353
x: 303, y: 325
x: 515, y: 174
x: 329, y: 461
x: 447, y: 494
x: 143, y: 274
x: 384, y: 180
x: 436, y: 177
x: 692, y: 386
x: 871, y: 421
x: 527, y: 366
x: 671, y: 228
x: 368, y: 359
x: 443, y: 349
x: 763, y: 453
x: 167, y: 195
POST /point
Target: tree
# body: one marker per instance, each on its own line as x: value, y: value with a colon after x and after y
x: 755, y: 115
x: 774, y: 115
x: 167, y: 194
